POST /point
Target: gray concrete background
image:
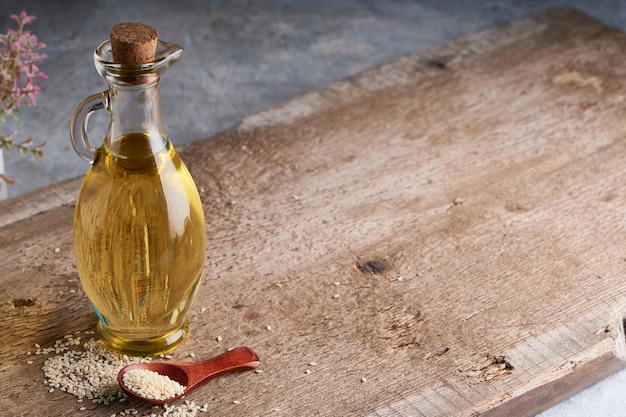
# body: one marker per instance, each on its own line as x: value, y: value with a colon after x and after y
x: 240, y: 57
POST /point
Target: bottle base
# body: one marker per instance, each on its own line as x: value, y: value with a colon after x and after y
x: 144, y: 346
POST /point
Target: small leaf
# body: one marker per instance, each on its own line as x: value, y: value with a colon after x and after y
x: 6, y: 179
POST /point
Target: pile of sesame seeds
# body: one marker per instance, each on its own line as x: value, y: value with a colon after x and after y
x: 151, y: 385
x: 187, y: 409
x: 89, y: 372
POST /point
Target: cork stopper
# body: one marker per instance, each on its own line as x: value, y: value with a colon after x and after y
x: 133, y: 43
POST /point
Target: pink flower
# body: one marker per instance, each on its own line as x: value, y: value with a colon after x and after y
x: 19, y: 53
x: 23, y: 18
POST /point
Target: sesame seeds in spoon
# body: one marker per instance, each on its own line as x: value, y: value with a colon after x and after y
x: 163, y: 382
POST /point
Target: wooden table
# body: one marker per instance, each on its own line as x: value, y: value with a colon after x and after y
x: 442, y: 236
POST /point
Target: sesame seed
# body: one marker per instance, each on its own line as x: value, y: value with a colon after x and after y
x: 312, y: 363
x: 335, y: 296
x: 308, y: 371
x: 89, y: 372
x: 363, y: 379
x: 151, y: 385
x: 218, y: 338
x: 268, y: 328
x: 236, y: 402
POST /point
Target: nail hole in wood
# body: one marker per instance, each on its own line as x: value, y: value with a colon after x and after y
x: 373, y: 267
x: 23, y: 302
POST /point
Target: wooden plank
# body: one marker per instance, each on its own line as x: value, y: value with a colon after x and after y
x: 38, y: 201
x: 441, y: 235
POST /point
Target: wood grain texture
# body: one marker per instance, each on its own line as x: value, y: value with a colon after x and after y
x: 441, y: 235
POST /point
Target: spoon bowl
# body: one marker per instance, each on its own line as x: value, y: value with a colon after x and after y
x: 193, y: 374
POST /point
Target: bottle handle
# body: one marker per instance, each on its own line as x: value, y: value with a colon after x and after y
x: 79, y: 121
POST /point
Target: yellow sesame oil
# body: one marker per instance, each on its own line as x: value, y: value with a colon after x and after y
x: 139, y: 241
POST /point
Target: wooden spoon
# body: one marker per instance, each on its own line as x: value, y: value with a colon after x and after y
x: 193, y: 374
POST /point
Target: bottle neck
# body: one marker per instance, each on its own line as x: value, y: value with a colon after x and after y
x: 135, y: 110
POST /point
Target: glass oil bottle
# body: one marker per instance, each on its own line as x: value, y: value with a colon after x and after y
x: 139, y: 230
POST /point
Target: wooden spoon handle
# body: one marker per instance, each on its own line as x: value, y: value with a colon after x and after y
x: 238, y: 359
